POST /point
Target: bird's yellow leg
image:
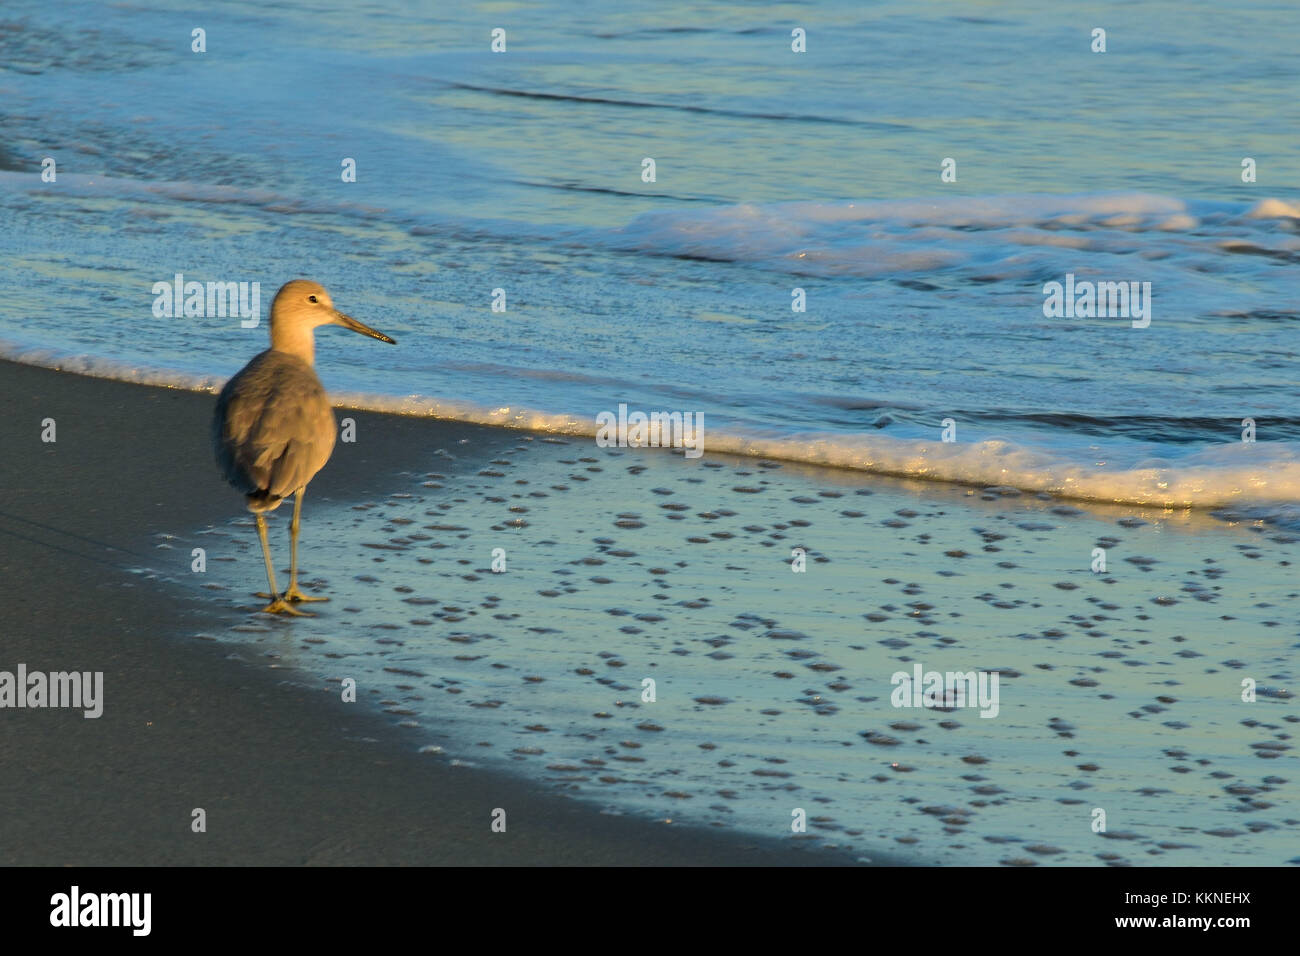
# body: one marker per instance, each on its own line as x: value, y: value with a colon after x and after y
x: 293, y: 594
x: 278, y: 604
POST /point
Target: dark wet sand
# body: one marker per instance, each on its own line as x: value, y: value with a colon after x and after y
x: 287, y: 776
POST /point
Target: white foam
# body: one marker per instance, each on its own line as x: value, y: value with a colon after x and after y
x: 881, y: 237
x: 1274, y: 209
x: 1240, y: 474
x: 100, y: 367
x: 1213, y: 477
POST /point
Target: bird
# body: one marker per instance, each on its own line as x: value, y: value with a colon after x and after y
x: 274, y: 428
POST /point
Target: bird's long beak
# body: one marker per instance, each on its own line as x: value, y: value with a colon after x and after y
x: 350, y: 323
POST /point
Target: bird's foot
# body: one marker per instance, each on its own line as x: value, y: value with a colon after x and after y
x: 293, y: 595
x: 281, y: 606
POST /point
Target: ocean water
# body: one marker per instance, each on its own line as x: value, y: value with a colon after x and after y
x: 775, y: 171
x: 521, y: 171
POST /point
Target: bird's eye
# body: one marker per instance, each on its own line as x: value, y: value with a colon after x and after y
x: 311, y: 298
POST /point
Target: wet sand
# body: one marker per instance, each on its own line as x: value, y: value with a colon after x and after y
x: 1120, y: 689
x: 287, y: 775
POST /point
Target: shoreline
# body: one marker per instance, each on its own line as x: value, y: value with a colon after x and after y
x: 1175, y: 485
x: 286, y: 777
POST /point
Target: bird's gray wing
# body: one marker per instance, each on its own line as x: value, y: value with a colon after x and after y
x: 273, y: 428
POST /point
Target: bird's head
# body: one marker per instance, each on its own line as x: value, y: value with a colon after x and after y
x: 301, y: 306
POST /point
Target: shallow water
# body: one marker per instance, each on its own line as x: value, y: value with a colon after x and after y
x: 1118, y: 691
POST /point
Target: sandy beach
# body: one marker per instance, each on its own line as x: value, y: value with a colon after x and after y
x: 1120, y: 691
x: 287, y: 776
